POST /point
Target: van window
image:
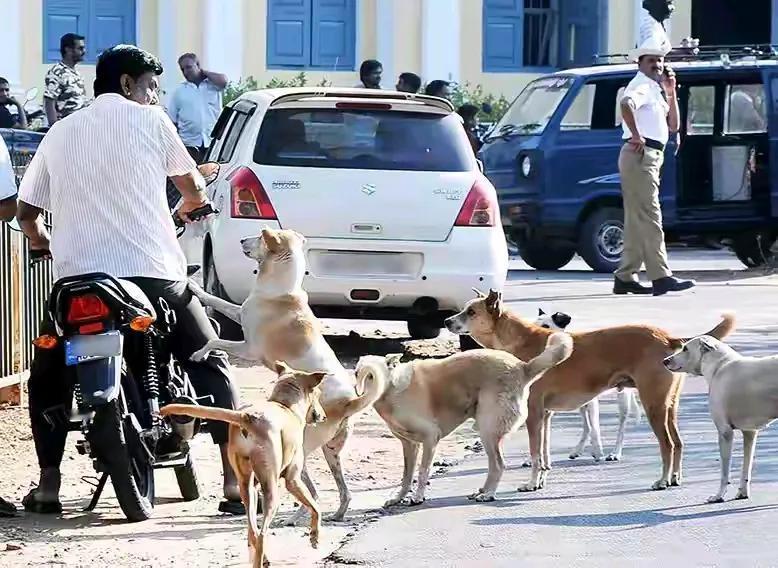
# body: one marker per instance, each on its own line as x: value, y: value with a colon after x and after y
x: 702, y: 108
x: 579, y: 115
x: 745, y: 109
x: 364, y: 139
x: 596, y: 106
x: 534, y: 107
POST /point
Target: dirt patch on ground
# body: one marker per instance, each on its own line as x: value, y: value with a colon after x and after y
x: 195, y: 534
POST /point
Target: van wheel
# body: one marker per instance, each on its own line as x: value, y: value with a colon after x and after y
x: 545, y: 256
x: 228, y: 329
x: 753, y: 249
x: 601, y: 240
x: 420, y: 327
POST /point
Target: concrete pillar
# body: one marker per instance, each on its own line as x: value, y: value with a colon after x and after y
x: 167, y: 22
x: 440, y: 38
x: 385, y: 38
x: 223, y: 37
x: 11, y: 43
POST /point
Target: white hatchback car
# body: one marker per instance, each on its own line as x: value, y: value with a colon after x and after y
x: 400, y: 223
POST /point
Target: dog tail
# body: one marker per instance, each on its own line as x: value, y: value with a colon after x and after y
x: 558, y: 348
x: 371, y: 380
x: 236, y: 417
x: 722, y: 330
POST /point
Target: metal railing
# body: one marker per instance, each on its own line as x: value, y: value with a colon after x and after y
x: 23, y: 293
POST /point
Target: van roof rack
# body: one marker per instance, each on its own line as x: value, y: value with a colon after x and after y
x: 723, y: 53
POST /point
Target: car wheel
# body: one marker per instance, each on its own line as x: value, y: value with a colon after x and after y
x: 423, y: 327
x: 230, y: 330
x: 753, y: 249
x: 544, y: 256
x: 601, y: 240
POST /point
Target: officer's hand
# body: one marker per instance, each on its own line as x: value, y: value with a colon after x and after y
x: 637, y: 143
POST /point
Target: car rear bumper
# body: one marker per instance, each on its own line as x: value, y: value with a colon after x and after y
x: 394, y: 275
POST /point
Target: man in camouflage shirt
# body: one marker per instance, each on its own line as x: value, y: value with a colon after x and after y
x: 65, y: 92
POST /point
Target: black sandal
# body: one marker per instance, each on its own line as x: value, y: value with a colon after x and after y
x: 232, y: 507
x: 7, y: 509
x: 32, y: 505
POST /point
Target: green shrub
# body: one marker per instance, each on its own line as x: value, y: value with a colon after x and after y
x: 236, y: 89
x: 462, y: 93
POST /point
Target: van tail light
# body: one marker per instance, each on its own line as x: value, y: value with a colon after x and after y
x: 480, y: 207
x: 249, y: 198
x: 86, y: 309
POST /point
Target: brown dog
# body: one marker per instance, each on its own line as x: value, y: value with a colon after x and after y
x: 267, y: 444
x: 623, y: 356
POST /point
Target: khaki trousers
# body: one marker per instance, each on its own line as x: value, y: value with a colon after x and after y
x: 644, y: 239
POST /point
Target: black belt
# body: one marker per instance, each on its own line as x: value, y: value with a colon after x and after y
x: 654, y: 144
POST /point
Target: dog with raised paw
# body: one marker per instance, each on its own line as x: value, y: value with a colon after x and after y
x: 266, y: 446
x: 613, y: 357
x: 422, y: 402
x: 742, y: 395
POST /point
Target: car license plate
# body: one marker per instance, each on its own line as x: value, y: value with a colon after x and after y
x: 83, y: 348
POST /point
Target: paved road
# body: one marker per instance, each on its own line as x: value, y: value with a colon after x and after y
x: 600, y: 514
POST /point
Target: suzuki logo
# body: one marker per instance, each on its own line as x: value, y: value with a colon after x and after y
x: 368, y: 189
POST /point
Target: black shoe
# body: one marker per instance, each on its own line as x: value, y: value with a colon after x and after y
x: 671, y: 284
x: 631, y: 287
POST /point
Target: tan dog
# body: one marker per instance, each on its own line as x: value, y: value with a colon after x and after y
x: 278, y: 325
x: 422, y: 402
x: 623, y: 356
x: 266, y: 443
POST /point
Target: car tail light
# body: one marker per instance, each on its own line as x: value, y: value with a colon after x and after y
x: 249, y: 198
x: 479, y: 208
x: 87, y: 308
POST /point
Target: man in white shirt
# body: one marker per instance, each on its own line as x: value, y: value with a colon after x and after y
x: 7, y: 184
x: 101, y: 172
x: 195, y: 105
x: 649, y: 109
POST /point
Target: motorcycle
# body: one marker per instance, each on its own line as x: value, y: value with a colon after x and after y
x: 117, y: 341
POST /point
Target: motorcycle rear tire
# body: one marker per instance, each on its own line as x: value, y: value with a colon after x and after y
x: 132, y: 478
x: 186, y: 476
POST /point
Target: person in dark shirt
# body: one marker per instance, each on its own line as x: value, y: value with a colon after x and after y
x: 438, y: 88
x: 408, y: 83
x: 8, y: 120
x: 469, y: 114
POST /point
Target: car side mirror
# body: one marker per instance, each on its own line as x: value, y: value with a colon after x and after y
x: 209, y: 171
x: 31, y: 94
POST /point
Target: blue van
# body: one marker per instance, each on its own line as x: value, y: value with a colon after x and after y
x: 553, y: 159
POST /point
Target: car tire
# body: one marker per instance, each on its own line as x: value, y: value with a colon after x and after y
x: 467, y: 343
x: 542, y: 256
x: 420, y: 327
x: 230, y: 330
x: 753, y: 249
x: 601, y: 240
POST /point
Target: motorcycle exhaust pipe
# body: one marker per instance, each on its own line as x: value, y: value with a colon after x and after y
x: 186, y: 427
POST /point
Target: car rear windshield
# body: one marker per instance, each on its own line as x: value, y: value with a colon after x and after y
x: 363, y: 139
x: 533, y: 108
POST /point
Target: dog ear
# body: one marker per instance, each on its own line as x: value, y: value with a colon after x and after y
x: 478, y: 293
x: 271, y: 239
x: 312, y: 380
x: 561, y: 319
x: 706, y: 345
x: 494, y: 303
x: 282, y: 368
x: 393, y: 359
x: 541, y: 312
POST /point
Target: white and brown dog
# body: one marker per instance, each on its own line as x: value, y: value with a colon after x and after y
x: 742, y: 395
x: 422, y: 402
x: 278, y: 325
x: 627, y: 399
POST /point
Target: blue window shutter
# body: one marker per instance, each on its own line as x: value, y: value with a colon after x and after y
x: 59, y: 18
x: 111, y: 22
x: 333, y: 34
x: 503, y: 35
x: 288, y: 33
x: 579, y: 32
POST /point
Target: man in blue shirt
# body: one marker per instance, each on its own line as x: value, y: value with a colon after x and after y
x: 195, y: 105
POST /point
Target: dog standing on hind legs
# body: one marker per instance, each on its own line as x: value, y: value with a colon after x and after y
x: 278, y: 325
x: 265, y: 446
x: 629, y: 355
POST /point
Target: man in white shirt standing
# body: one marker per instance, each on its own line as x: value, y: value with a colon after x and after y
x: 650, y: 113
x: 7, y: 184
x: 195, y: 105
x: 101, y: 172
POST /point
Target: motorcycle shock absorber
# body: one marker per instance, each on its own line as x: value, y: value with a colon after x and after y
x: 151, y: 377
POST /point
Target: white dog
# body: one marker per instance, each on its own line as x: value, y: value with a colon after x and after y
x: 590, y: 412
x: 742, y: 395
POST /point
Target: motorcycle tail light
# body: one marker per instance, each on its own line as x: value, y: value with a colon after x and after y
x: 45, y: 342
x: 86, y: 309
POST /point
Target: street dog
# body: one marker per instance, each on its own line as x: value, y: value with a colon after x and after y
x: 628, y: 403
x: 742, y: 395
x: 278, y: 325
x: 266, y: 445
x: 422, y: 402
x: 607, y: 358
